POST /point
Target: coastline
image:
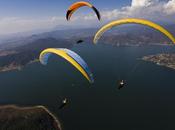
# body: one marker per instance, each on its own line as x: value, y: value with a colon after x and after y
x: 166, y: 60
x: 14, y: 66
x: 35, y: 117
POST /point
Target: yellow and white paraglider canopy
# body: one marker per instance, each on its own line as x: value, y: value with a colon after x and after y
x: 133, y: 21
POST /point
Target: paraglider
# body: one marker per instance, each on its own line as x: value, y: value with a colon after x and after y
x: 64, y: 103
x: 132, y: 21
x: 71, y: 57
x: 79, y: 41
x: 77, y: 5
x: 121, y: 84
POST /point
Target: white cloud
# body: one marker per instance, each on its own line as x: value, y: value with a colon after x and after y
x: 17, y: 24
x: 142, y: 3
x: 170, y: 7
x: 157, y: 10
x: 10, y: 25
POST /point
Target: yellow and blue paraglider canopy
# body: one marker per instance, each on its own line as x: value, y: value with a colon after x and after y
x: 133, y: 21
x: 79, y: 4
x: 71, y: 57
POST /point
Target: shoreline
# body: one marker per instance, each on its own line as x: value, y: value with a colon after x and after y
x: 28, y: 117
x: 13, y: 66
x: 165, y: 60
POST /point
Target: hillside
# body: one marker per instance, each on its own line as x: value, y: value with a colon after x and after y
x: 17, y: 57
x: 18, y: 52
x: 27, y: 118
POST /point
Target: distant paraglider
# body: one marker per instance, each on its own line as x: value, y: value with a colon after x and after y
x: 77, y: 5
x: 64, y: 103
x: 80, y: 41
x: 121, y: 84
x: 133, y: 21
x: 71, y: 57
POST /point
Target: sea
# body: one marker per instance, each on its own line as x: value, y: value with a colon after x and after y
x: 146, y: 102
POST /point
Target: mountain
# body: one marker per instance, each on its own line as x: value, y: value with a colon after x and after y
x: 122, y: 34
x: 27, y: 118
x: 17, y: 52
x: 136, y: 35
x: 70, y: 34
x: 19, y: 56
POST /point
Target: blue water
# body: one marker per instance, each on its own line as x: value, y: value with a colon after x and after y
x: 146, y: 103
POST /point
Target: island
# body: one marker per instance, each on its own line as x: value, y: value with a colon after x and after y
x: 13, y: 117
x: 167, y: 60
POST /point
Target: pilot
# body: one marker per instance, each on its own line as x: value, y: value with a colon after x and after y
x: 64, y: 103
x: 121, y: 84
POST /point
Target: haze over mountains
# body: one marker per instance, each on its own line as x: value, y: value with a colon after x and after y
x: 17, y: 51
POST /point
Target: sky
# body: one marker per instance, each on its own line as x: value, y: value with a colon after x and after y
x: 32, y: 15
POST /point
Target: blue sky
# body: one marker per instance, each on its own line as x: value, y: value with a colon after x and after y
x: 46, y: 8
x: 42, y: 15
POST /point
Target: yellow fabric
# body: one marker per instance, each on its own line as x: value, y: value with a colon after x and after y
x: 64, y: 55
x: 136, y: 21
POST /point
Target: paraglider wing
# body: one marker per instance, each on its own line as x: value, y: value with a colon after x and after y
x: 77, y: 5
x: 135, y: 21
x: 71, y: 57
x: 79, y: 41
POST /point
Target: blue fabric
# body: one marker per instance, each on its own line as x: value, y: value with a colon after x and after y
x: 81, y: 62
x: 44, y: 58
x: 77, y: 58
